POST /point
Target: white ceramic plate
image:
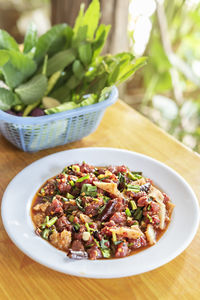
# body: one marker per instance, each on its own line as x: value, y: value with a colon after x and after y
x: 18, y: 197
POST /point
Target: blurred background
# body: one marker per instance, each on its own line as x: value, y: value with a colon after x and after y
x: 167, y: 89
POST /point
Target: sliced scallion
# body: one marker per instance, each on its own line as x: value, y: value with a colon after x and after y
x: 51, y: 222
x: 128, y: 212
x: 81, y: 179
x: 133, y: 205
x: 45, y: 234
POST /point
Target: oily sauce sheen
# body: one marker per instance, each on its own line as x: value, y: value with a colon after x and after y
x: 100, y: 212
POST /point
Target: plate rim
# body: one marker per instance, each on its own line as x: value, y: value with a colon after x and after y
x: 121, y: 273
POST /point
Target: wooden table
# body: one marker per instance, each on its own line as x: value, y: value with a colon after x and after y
x: 122, y: 127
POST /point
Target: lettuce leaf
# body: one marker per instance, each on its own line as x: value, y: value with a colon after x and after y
x: 18, y: 68
x: 7, y: 41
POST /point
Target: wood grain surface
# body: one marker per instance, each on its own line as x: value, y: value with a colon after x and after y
x: 122, y: 127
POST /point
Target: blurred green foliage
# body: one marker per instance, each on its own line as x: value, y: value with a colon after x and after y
x: 172, y: 79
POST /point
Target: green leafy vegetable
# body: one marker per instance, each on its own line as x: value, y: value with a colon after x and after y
x: 63, y: 63
x: 7, y: 42
x: 46, y: 40
x: 85, y: 53
x: 100, y: 39
x: 78, y: 69
x: 60, y: 60
x: 30, y: 38
x: 6, y: 99
x: 33, y: 90
x: 18, y: 68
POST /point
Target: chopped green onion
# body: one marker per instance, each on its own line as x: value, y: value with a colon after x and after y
x: 81, y: 179
x: 121, y: 178
x: 138, y: 172
x: 64, y: 199
x: 118, y: 242
x: 51, y: 222
x: 97, y: 243
x: 69, y: 196
x: 150, y: 218
x: 133, y: 188
x: 71, y: 218
x: 75, y: 168
x: 134, y: 176
x: 138, y: 214
x: 42, y: 191
x: 87, y: 227
x: 65, y: 170
x: 45, y: 234
x: 76, y: 226
x: 71, y: 182
x: 148, y: 206
x: 133, y: 205
x: 106, y: 253
x: 89, y: 189
x: 128, y: 212
x: 135, y: 223
x: 114, y: 237
x: 106, y: 199
x: 78, y: 203
x: 101, y: 209
x: 42, y: 226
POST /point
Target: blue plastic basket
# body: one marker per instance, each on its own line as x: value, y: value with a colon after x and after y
x: 36, y: 133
